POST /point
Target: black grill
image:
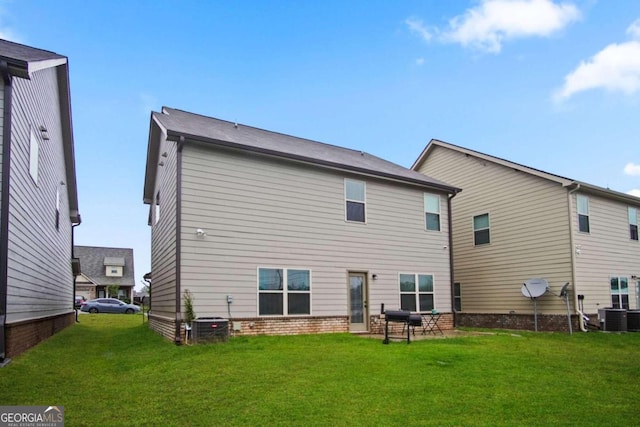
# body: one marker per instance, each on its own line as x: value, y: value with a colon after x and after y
x: 400, y: 316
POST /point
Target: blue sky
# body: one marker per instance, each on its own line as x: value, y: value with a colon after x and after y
x: 550, y: 84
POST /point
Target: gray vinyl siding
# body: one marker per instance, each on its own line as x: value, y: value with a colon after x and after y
x: 40, y: 281
x: 1, y: 129
x: 259, y: 211
x: 163, y: 236
x: 605, y: 251
x: 528, y: 229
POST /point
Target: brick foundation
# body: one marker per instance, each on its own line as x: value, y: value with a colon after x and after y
x: 546, y: 322
x: 290, y: 325
x: 21, y: 336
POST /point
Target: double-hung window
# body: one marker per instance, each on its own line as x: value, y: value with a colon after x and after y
x: 481, y: 231
x: 432, y: 211
x: 583, y: 213
x: 416, y: 292
x: 355, y: 200
x: 633, y: 223
x: 457, y: 297
x: 34, y: 154
x: 283, y: 292
x: 620, y: 292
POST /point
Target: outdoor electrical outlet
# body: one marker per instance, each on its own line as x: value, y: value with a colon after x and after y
x: 229, y: 299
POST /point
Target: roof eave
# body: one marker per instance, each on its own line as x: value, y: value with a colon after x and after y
x: 175, y: 136
x: 604, y: 192
x: 67, y: 141
x: 153, y: 153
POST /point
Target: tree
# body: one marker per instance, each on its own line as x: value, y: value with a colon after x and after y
x: 112, y: 291
x: 189, y: 312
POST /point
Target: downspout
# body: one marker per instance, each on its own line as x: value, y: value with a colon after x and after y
x: 452, y: 284
x: 573, y: 260
x: 178, y: 308
x: 4, y: 206
x: 73, y: 245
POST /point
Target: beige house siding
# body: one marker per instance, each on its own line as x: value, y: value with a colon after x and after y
x: 163, y: 235
x: 528, y: 228
x: 605, y: 251
x: 40, y: 280
x: 260, y: 211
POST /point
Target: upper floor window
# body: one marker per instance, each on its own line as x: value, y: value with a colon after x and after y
x: 157, y: 209
x: 620, y: 292
x: 57, y: 209
x: 583, y: 213
x: 432, y: 211
x: 276, y: 299
x: 355, y: 199
x: 113, y: 271
x: 34, y: 154
x: 633, y: 223
x: 481, y: 231
x: 416, y: 292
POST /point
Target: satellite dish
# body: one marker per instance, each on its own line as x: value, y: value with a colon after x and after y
x: 534, y: 288
x: 563, y: 291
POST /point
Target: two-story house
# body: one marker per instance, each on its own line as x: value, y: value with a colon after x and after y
x: 105, y: 269
x: 513, y: 223
x: 38, y: 197
x: 285, y: 235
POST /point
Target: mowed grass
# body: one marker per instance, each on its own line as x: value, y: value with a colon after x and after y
x: 112, y: 370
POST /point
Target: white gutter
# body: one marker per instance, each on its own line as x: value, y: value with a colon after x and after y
x: 573, y: 260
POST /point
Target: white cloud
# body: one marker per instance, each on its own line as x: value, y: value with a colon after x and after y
x: 634, y: 29
x: 417, y: 27
x: 635, y: 192
x: 6, y: 32
x: 632, y: 169
x: 614, y: 68
x: 489, y: 25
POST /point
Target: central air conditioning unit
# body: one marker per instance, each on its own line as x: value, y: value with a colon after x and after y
x: 210, y: 329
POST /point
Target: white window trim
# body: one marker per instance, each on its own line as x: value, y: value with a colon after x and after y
x: 34, y: 156
x: 629, y: 209
x: 285, y: 292
x: 364, y: 202
x: 588, y: 215
x: 628, y: 294
x: 156, y: 209
x: 473, y: 229
x: 439, y: 212
x: 417, y: 292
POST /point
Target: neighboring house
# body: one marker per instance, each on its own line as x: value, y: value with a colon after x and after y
x: 286, y: 235
x: 38, y: 198
x: 512, y: 223
x: 104, y: 267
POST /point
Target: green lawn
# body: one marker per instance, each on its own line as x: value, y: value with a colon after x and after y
x: 112, y: 370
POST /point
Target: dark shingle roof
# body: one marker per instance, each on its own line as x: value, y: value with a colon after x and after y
x: 179, y: 123
x: 19, y: 52
x: 23, y: 60
x: 92, y: 263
